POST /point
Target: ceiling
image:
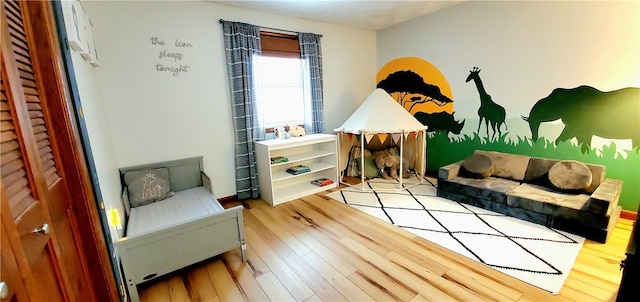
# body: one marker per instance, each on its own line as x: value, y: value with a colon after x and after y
x: 366, y: 14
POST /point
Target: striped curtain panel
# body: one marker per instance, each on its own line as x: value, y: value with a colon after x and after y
x: 241, y: 43
x: 312, y: 55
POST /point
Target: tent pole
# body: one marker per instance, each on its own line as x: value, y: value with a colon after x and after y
x: 401, y: 157
x: 362, y: 138
x: 424, y: 154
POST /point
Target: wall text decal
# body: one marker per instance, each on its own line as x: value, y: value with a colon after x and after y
x: 173, y: 54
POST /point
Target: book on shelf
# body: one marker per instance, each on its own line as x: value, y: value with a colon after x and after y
x: 279, y: 159
x: 299, y: 169
x: 321, y: 182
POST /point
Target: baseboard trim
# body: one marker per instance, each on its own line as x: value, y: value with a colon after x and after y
x: 631, y: 215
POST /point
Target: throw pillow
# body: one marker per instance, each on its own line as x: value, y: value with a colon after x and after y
x: 370, y: 169
x: 570, y: 175
x: 147, y: 186
x: 478, y: 165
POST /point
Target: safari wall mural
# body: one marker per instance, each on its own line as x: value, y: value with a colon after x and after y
x: 578, y: 115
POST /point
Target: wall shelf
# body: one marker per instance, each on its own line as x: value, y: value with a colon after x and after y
x: 316, y: 151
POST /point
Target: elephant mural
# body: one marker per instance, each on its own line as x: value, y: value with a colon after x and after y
x: 586, y: 111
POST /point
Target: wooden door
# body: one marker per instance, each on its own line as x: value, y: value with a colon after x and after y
x: 37, y: 211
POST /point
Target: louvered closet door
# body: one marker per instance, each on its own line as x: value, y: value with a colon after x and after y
x: 34, y: 195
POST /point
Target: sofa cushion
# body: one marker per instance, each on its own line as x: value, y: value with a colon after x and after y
x: 597, y: 176
x: 538, y: 173
x: 478, y: 165
x: 147, y: 186
x: 547, y: 201
x: 570, y: 175
x: 490, y: 188
x: 510, y: 166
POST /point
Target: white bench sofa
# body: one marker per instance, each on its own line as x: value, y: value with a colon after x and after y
x: 186, y: 228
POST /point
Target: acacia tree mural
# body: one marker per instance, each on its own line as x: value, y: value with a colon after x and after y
x: 404, y: 83
x: 407, y: 82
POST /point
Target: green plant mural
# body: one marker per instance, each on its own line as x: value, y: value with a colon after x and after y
x: 443, y: 150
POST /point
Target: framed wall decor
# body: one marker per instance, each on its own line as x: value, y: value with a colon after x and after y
x: 91, y: 40
x: 88, y: 37
x: 74, y: 22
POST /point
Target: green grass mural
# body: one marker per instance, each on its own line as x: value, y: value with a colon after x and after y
x: 443, y: 150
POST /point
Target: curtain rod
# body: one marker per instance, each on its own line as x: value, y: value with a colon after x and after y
x: 276, y: 29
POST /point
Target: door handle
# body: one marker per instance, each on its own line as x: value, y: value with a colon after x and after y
x: 4, y: 290
x: 44, y: 230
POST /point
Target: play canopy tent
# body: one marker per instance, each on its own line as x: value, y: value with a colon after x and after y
x: 381, y: 122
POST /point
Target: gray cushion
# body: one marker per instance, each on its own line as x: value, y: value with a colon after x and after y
x: 370, y: 169
x: 570, y: 175
x: 147, y: 186
x: 478, y: 165
x: 510, y: 166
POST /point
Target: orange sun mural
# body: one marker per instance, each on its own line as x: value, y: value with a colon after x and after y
x: 417, y: 85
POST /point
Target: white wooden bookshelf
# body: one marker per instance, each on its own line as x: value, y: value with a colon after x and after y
x: 316, y: 151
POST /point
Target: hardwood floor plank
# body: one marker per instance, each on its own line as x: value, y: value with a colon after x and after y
x: 309, y: 276
x: 156, y: 292
x: 313, y: 298
x: 273, y: 288
x: 223, y: 282
x: 201, y: 288
x: 316, y: 205
x: 374, y: 289
x: 585, y: 288
x: 246, y: 276
x: 256, y: 265
x: 177, y: 289
x: 291, y: 220
x: 285, y: 236
x: 419, y: 298
x: 486, y: 292
x: 407, y: 280
x: 573, y: 295
x: 296, y: 286
x: 369, y: 278
x: 349, y: 290
x: 446, y: 286
x: 390, y: 236
x: 611, y: 276
x: 594, y: 281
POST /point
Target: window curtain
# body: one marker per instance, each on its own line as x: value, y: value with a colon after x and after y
x: 312, y: 55
x: 241, y: 43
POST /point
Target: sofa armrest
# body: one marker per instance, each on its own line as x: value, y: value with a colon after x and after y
x: 206, y: 181
x: 607, y: 193
x: 449, y: 171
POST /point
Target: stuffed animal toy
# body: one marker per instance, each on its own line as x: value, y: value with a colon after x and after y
x: 389, y: 164
x: 296, y: 130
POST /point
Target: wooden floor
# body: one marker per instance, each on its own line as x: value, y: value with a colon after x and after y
x: 317, y: 249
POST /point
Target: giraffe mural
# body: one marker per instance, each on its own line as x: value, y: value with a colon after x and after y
x: 492, y: 113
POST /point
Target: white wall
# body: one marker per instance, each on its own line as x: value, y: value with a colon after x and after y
x: 156, y: 116
x: 524, y: 48
x: 103, y: 151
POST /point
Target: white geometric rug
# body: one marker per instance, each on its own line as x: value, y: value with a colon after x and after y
x: 533, y: 253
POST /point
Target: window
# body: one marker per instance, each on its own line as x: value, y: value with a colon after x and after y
x: 281, y: 88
